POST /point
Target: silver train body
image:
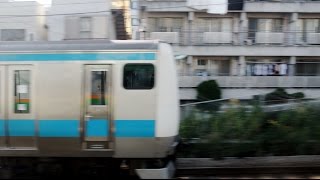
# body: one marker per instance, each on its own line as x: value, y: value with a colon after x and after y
x: 88, y: 99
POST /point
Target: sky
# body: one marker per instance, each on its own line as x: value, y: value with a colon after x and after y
x: 41, y: 1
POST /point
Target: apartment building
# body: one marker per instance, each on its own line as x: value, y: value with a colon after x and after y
x: 257, y: 46
x: 18, y: 24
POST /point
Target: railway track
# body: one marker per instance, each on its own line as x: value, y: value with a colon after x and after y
x: 297, y: 167
x: 247, y: 171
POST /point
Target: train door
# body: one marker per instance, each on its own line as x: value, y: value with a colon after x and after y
x: 97, y: 115
x: 17, y: 121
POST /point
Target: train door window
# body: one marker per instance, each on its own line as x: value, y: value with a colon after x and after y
x: 22, y: 91
x: 98, y: 87
x: 138, y: 76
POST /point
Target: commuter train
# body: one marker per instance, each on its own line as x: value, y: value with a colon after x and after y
x: 94, y: 98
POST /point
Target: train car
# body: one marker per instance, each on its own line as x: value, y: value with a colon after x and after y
x: 99, y: 98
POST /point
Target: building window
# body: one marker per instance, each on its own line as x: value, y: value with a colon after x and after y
x: 22, y: 91
x: 212, y: 66
x: 309, y: 25
x: 308, y: 68
x: 265, y: 25
x: 138, y: 76
x: 214, y: 24
x: 165, y: 24
x: 202, y: 62
x: 12, y: 35
x: 306, y: 30
x: 85, y: 27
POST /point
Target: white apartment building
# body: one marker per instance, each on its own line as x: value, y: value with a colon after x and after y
x: 80, y: 19
x: 22, y: 21
x: 257, y: 46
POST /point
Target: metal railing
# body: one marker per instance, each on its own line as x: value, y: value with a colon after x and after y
x: 236, y: 38
x: 253, y: 81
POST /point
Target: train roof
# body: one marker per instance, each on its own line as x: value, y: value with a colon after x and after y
x: 82, y: 45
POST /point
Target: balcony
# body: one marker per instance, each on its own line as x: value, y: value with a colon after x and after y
x: 199, y: 38
x: 217, y: 38
x: 313, y: 38
x: 180, y: 5
x: 302, y: 6
x: 269, y: 38
x: 169, y: 37
x: 252, y: 81
x: 166, y: 6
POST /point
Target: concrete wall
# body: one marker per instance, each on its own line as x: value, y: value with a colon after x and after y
x: 253, y: 81
x: 34, y: 26
x: 102, y: 21
x: 247, y: 50
x: 247, y: 93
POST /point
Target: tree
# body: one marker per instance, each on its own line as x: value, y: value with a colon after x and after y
x: 208, y: 90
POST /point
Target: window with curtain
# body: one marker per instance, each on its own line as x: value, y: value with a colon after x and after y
x: 165, y: 24
x: 270, y: 25
x: 309, y: 25
x: 214, y: 24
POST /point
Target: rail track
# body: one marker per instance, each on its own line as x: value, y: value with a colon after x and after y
x: 247, y: 171
x: 298, y: 167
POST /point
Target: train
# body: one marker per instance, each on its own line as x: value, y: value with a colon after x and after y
x: 89, y: 99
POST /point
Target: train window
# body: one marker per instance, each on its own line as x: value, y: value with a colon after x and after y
x: 98, y: 87
x: 22, y: 91
x: 138, y: 76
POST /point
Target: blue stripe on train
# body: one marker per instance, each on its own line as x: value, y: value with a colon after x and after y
x: 59, y: 128
x: 135, y: 128
x: 97, y: 128
x: 2, y: 131
x: 21, y: 128
x: 78, y: 57
x: 70, y: 128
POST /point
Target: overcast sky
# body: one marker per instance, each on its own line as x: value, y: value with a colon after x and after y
x: 41, y: 1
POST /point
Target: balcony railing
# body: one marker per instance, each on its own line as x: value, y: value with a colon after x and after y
x: 200, y: 38
x: 307, y: 6
x: 253, y: 81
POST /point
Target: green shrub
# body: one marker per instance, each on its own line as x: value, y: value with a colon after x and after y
x: 281, y: 96
x: 208, y: 90
x: 298, y: 95
x: 240, y: 132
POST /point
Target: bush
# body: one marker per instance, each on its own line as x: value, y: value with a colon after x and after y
x: 298, y: 95
x: 208, y: 90
x: 281, y: 96
x: 239, y: 132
